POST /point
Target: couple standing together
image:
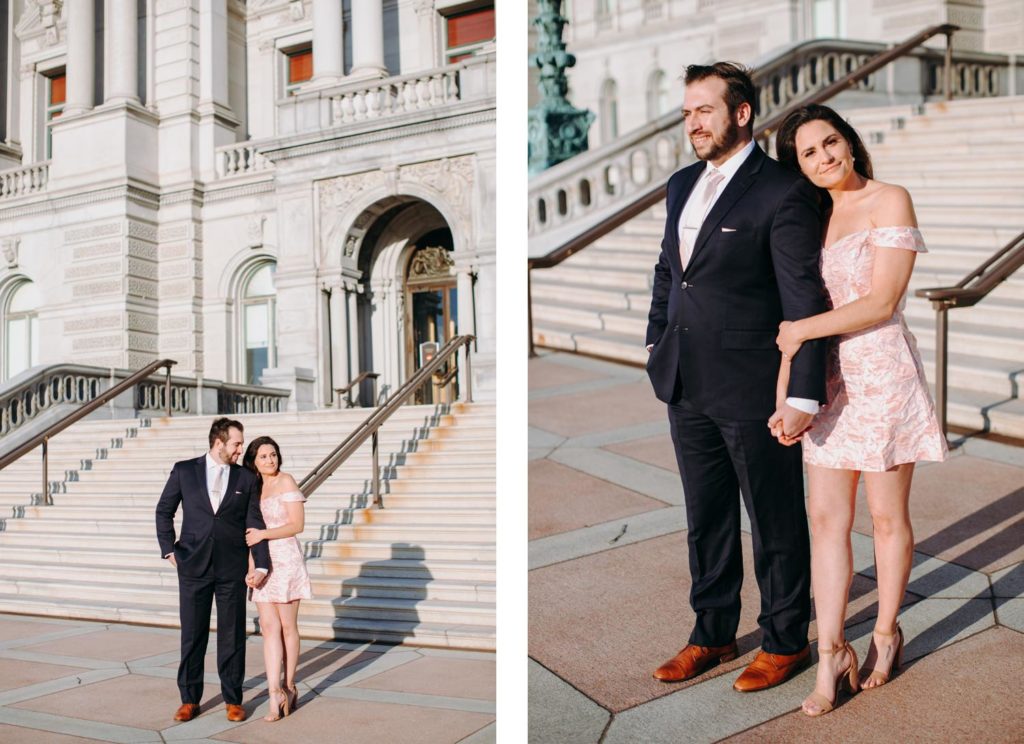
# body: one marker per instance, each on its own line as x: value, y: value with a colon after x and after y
x: 233, y: 515
x: 811, y: 257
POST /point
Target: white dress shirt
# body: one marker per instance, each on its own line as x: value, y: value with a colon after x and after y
x: 728, y: 170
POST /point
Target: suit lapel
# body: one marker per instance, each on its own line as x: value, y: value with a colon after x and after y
x: 738, y: 185
x: 675, y: 211
x: 233, y: 472
x: 204, y: 492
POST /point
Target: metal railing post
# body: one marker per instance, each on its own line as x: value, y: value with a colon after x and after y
x: 941, y: 358
x: 469, y: 375
x: 167, y: 390
x: 376, y: 469
x: 46, y: 471
x: 948, y: 71
x: 529, y: 312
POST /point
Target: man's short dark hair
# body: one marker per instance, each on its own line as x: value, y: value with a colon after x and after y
x: 221, y: 429
x: 739, y: 88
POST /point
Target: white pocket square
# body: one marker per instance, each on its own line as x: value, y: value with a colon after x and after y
x: 728, y: 229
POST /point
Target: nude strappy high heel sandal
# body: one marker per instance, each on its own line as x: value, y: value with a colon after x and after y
x: 279, y: 706
x: 895, y: 659
x: 848, y: 679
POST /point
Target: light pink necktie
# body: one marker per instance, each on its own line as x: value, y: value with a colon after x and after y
x: 695, y: 215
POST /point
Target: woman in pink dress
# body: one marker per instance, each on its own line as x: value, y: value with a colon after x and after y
x: 879, y: 419
x: 278, y: 598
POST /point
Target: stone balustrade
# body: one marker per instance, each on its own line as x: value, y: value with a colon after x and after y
x: 392, y: 96
x: 73, y: 385
x: 24, y: 180
x: 579, y: 193
x: 241, y: 159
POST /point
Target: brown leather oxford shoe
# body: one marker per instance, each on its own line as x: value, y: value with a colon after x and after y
x: 693, y: 660
x: 187, y: 712
x: 768, y: 670
x: 236, y: 713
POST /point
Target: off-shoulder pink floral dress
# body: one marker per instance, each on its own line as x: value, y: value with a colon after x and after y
x: 288, y: 579
x: 879, y: 412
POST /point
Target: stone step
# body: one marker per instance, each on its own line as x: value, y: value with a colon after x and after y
x: 365, y: 542
x: 629, y: 349
x: 445, y: 635
x: 20, y: 500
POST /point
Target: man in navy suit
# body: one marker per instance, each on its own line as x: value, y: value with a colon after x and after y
x: 740, y: 254
x: 220, y: 501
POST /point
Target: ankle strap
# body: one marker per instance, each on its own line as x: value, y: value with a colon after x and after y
x: 833, y: 649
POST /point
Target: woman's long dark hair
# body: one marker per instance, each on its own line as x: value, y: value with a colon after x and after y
x: 249, y: 458
x: 785, y: 141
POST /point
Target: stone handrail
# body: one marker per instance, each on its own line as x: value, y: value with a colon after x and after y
x: 24, y: 180
x: 570, y: 197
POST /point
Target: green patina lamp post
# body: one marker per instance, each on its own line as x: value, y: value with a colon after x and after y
x: 557, y: 130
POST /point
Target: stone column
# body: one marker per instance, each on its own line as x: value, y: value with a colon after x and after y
x: 122, y: 57
x: 81, y: 67
x: 368, y: 38
x: 328, y: 65
x: 213, y: 51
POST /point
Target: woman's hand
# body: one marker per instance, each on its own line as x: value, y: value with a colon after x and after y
x: 254, y: 536
x: 788, y: 340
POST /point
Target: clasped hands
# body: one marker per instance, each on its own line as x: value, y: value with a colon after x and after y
x: 788, y: 424
x: 254, y: 578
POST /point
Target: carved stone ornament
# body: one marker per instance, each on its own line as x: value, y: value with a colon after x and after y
x: 335, y: 197
x: 297, y: 9
x: 423, y: 6
x: 451, y: 177
x: 49, y: 12
x: 254, y: 231
x: 10, y: 252
x: 430, y: 264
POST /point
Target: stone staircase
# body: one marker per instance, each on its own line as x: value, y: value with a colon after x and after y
x: 420, y: 571
x: 963, y: 163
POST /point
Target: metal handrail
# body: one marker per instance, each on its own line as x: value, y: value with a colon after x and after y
x: 44, y: 437
x: 347, y: 390
x: 648, y: 199
x: 371, y: 426
x: 969, y: 291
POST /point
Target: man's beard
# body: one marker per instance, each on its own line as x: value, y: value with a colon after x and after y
x: 716, y: 149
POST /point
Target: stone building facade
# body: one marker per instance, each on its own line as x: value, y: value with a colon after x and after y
x: 631, y: 53
x: 277, y: 192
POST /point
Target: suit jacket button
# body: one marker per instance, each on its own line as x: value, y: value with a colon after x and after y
x: 684, y: 285
x: 675, y: 329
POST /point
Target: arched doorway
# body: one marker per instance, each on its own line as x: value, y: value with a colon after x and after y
x: 408, y: 304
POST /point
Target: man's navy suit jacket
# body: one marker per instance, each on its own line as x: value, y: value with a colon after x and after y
x: 755, y: 263
x: 207, y: 537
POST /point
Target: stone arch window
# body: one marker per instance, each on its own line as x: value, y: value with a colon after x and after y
x: 658, y: 101
x: 257, y: 304
x: 609, y: 107
x: 20, y: 329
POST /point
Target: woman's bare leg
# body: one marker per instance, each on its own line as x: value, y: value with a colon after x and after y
x: 889, y: 502
x: 288, y: 614
x: 273, y: 648
x: 830, y: 506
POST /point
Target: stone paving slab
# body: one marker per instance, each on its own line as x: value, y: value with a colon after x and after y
x: 608, y: 602
x: 563, y: 499
x: 126, y: 690
x: 930, y: 707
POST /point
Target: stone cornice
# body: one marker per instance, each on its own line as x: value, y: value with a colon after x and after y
x: 338, y: 139
x: 241, y: 191
x: 44, y: 203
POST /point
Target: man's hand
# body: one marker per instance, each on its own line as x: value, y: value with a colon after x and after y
x: 259, y: 578
x: 788, y: 424
x: 172, y: 559
x: 251, y: 579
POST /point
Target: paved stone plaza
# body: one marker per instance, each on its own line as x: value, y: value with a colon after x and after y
x: 609, y: 585
x: 64, y: 681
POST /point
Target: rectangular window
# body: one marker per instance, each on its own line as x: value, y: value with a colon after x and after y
x: 56, y: 95
x: 300, y: 69
x: 468, y: 31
